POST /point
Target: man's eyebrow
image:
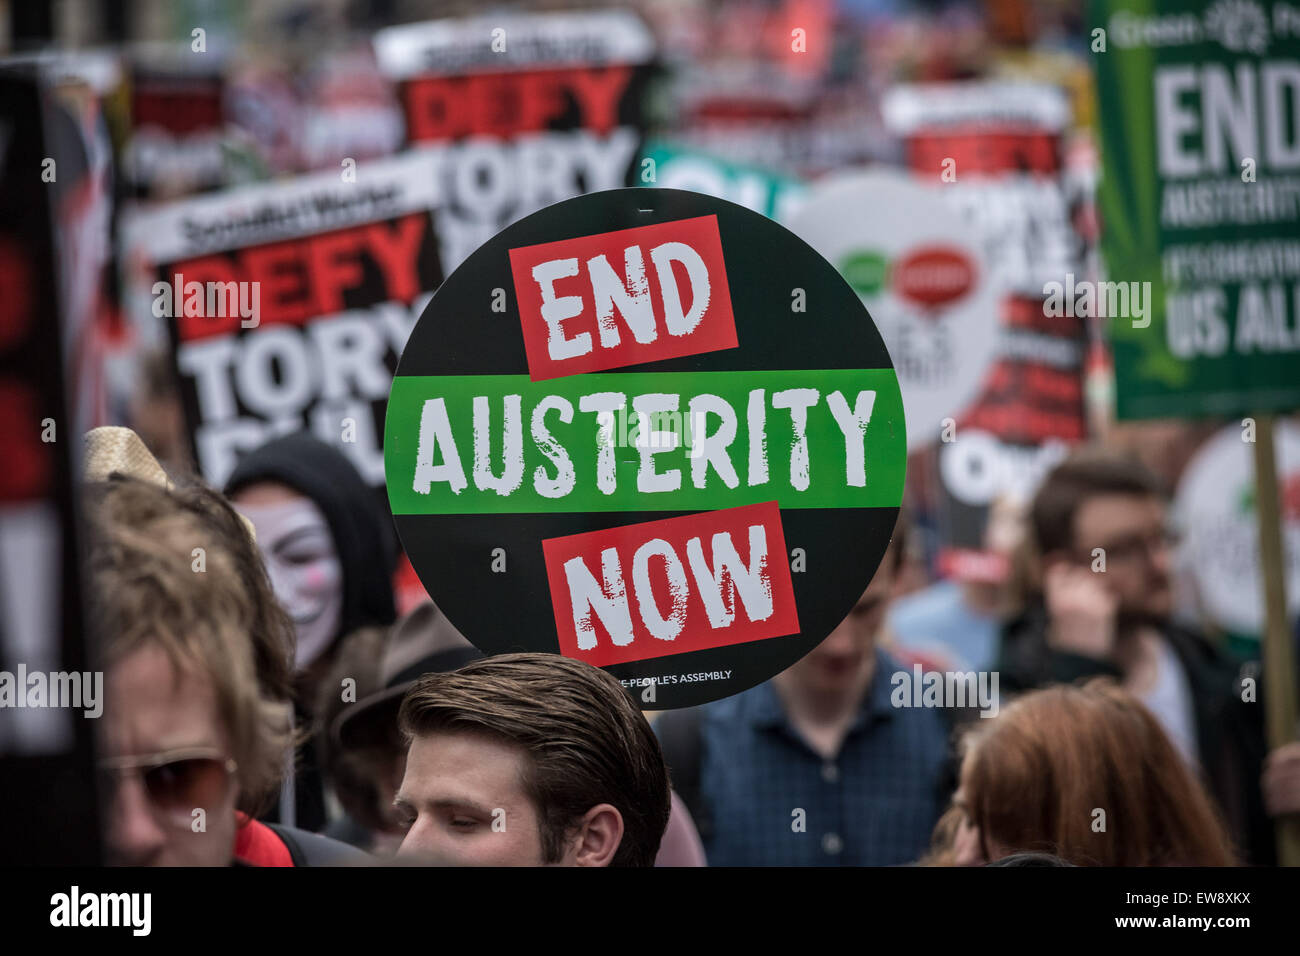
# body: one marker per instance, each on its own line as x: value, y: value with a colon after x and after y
x: 402, y: 802
x: 460, y: 803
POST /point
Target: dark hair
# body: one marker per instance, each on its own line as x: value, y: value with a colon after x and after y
x: 1083, y: 475
x: 586, y: 742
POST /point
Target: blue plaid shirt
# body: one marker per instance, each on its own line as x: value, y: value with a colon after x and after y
x: 874, y: 804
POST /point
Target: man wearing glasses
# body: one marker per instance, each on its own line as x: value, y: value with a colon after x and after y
x: 196, y: 725
x: 1100, y: 565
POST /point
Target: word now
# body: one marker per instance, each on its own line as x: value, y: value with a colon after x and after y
x: 725, y: 599
x: 579, y: 313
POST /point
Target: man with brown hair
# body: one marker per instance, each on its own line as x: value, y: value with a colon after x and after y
x: 1102, y: 560
x: 530, y: 760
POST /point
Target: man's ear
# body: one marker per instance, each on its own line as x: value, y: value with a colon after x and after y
x: 599, y: 834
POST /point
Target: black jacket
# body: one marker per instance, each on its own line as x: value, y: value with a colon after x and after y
x: 1229, y: 731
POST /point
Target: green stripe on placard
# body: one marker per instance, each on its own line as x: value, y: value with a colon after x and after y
x: 829, y: 471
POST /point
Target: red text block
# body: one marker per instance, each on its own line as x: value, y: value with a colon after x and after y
x: 623, y: 298
x: 297, y: 280
x: 672, y: 586
x: 441, y: 108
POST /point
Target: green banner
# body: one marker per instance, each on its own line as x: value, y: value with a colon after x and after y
x: 1199, y: 123
x: 667, y: 441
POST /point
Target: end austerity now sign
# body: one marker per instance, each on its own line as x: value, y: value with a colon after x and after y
x: 651, y: 430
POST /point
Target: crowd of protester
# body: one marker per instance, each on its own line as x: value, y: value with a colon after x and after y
x: 266, y: 706
x: 280, y: 689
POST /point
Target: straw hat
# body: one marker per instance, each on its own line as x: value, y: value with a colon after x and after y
x: 114, y: 450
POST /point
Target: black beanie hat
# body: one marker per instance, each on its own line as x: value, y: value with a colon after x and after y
x: 362, y: 528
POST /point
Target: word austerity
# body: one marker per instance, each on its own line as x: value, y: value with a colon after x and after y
x: 710, y: 451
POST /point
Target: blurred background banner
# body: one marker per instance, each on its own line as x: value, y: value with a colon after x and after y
x: 286, y: 306
x: 919, y: 268
x: 178, y: 142
x: 1216, y: 510
x: 671, y: 166
x: 1200, y: 140
x: 1000, y: 152
x: 523, y: 110
x: 46, y: 747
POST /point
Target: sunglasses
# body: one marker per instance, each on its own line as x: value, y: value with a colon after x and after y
x: 177, y: 781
